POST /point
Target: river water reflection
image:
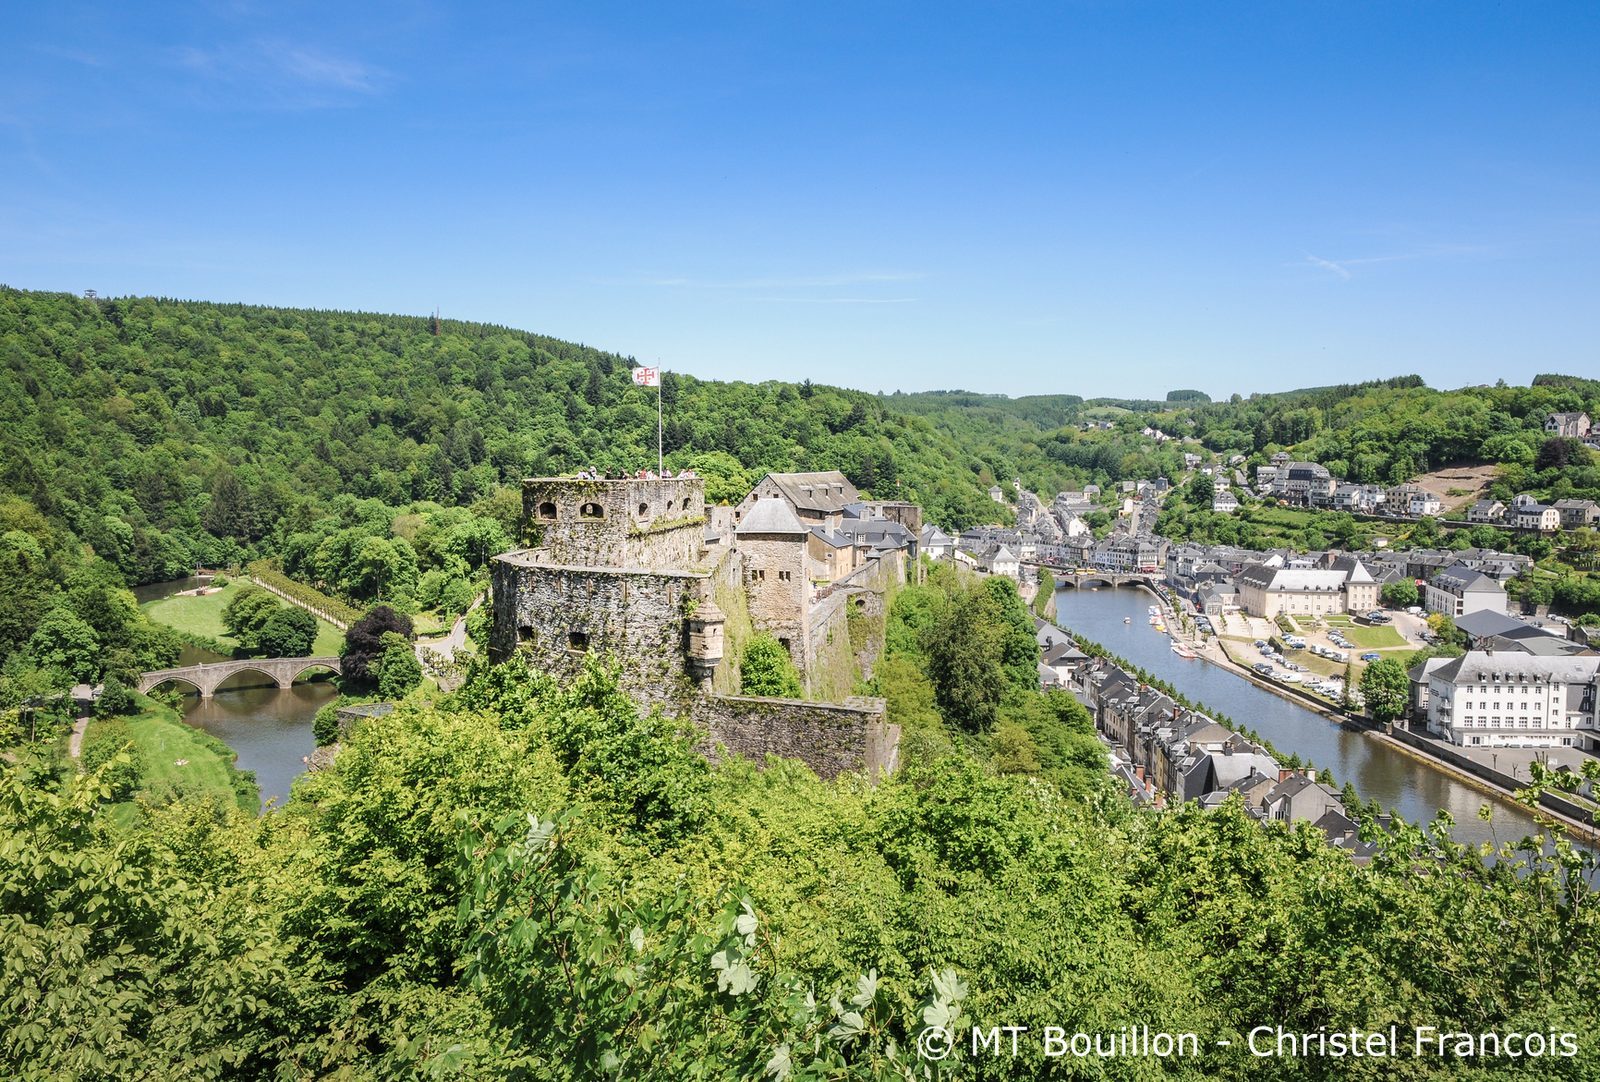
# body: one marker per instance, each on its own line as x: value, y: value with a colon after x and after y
x: 269, y: 728
x: 1378, y: 773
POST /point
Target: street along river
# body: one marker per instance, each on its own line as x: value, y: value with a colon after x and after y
x: 1378, y: 772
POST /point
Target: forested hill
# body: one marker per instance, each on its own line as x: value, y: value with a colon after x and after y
x: 165, y: 433
x: 168, y: 433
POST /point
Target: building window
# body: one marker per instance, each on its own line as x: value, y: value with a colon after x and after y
x: 578, y: 641
x: 592, y: 510
x: 547, y: 510
x: 784, y: 576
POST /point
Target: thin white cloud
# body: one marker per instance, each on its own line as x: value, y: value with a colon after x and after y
x: 1341, y: 267
x: 284, y: 74
x: 1328, y: 264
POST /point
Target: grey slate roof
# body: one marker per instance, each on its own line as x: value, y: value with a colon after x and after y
x: 826, y: 491
x: 772, y: 517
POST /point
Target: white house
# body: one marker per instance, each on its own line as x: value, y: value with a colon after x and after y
x: 1506, y: 699
x: 1458, y: 590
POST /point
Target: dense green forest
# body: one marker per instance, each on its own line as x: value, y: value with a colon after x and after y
x: 527, y: 881
x: 166, y: 433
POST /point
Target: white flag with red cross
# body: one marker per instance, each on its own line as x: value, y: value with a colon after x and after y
x: 647, y: 377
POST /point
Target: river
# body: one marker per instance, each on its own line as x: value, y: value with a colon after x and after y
x: 1378, y: 772
x: 269, y: 728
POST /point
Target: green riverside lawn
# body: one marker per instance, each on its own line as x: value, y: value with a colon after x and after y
x: 202, y: 615
x: 174, y: 756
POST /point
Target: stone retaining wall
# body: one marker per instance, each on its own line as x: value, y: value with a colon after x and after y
x: 830, y: 738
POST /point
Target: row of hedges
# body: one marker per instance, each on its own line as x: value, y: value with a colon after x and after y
x: 339, y: 613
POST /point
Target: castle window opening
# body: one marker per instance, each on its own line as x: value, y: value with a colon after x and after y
x: 525, y: 632
x: 547, y: 510
x: 784, y: 643
x: 784, y: 576
x: 592, y: 510
x: 644, y: 509
x: 578, y: 640
x: 686, y: 503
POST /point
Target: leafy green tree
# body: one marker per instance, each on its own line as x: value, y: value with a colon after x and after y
x: 247, y: 613
x: 325, y: 725
x: 398, y: 668
x: 1400, y: 594
x: 766, y: 669
x: 115, y: 698
x: 1386, y: 689
x: 65, y: 644
x: 289, y: 631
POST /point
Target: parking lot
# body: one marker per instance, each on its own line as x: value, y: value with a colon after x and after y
x: 1319, y: 652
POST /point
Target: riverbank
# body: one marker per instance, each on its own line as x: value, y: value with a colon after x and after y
x: 1485, y: 782
x: 171, y: 757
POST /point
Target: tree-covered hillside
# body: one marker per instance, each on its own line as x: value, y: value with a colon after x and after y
x: 165, y: 433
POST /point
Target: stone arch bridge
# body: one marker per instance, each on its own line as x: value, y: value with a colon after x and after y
x: 207, y: 677
x: 1087, y: 580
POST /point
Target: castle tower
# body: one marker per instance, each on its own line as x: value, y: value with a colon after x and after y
x: 772, y: 547
x: 704, y: 628
x: 623, y: 523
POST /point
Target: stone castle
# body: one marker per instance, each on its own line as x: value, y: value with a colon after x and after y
x: 641, y: 571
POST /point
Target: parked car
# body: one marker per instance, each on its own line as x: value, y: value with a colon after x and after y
x: 1414, y: 610
x: 1263, y: 668
x: 1371, y: 655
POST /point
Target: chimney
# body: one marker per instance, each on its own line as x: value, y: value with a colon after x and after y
x: 1138, y: 772
x: 1284, y: 775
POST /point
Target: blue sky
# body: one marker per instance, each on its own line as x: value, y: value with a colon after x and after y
x: 1095, y: 198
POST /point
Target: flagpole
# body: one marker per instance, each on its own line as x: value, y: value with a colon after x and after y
x: 660, y: 468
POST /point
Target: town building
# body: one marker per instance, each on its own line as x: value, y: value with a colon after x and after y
x: 1576, y: 514
x: 1491, y: 511
x: 1509, y: 699
x: 1266, y: 590
x: 1572, y: 426
x: 1459, y: 590
x: 817, y: 499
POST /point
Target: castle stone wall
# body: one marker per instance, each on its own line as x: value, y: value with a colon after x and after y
x: 830, y: 738
x: 558, y: 614
x: 831, y: 673
x: 631, y: 523
x: 779, y: 604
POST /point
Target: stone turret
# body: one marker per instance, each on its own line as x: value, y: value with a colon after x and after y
x: 704, y: 628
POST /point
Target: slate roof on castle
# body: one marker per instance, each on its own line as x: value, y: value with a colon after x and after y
x: 770, y: 515
x: 824, y: 492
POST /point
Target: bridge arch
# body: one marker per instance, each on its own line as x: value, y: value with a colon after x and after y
x: 147, y: 685
x: 209, y: 676
x: 290, y: 675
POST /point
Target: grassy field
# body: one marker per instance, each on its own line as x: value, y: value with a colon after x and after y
x: 203, y: 616
x: 174, y: 757
x: 1375, y: 638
